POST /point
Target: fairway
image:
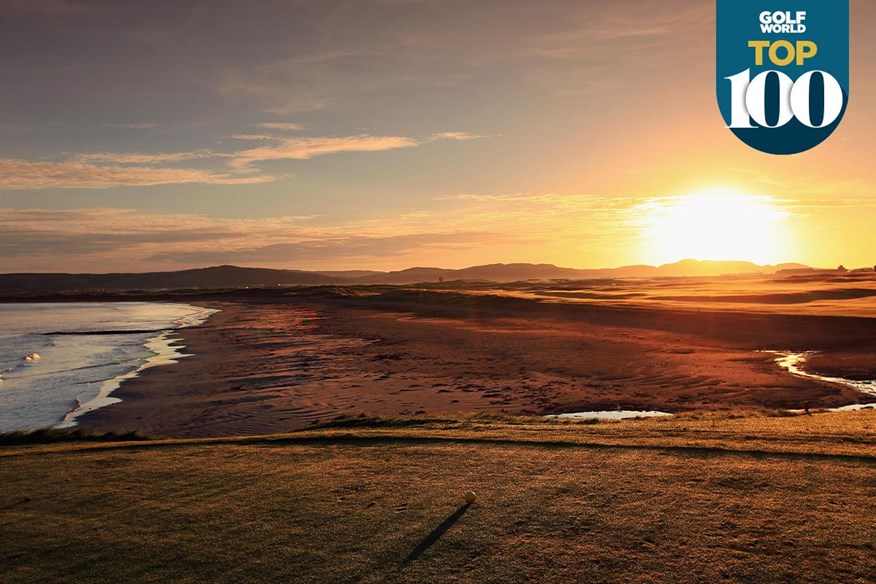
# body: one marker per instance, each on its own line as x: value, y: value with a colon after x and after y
x: 385, y: 505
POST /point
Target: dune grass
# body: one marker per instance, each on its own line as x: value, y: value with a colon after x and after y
x: 693, y: 499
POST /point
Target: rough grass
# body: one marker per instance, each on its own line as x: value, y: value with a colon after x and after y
x: 53, y: 436
x: 749, y: 499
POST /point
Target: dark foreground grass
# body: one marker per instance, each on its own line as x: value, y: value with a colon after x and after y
x: 55, y: 436
x: 385, y: 505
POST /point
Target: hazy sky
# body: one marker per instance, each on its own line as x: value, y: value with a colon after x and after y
x: 166, y: 134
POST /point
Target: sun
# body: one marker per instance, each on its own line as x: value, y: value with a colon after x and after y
x: 714, y: 224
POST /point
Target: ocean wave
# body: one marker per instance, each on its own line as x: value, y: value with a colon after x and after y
x: 80, y: 368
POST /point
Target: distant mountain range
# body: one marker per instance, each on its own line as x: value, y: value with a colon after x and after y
x: 518, y: 272
x: 223, y: 277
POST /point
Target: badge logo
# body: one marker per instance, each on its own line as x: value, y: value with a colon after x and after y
x: 783, y: 71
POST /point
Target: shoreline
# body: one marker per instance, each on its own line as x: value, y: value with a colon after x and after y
x: 268, y: 366
x: 165, y: 352
x: 165, y: 349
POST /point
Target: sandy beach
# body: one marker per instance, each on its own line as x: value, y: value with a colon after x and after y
x: 271, y: 362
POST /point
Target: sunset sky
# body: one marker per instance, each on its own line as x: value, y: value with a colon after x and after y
x: 384, y: 134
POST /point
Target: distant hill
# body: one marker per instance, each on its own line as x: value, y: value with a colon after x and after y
x: 518, y: 272
x: 204, y: 278
x: 236, y: 277
x: 719, y: 268
x: 492, y: 273
x: 350, y: 274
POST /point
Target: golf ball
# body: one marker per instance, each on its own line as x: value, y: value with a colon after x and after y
x: 470, y: 497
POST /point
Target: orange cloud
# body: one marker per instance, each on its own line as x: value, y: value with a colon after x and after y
x: 577, y: 230
x: 18, y: 174
x: 145, y: 158
x: 306, y: 148
x: 282, y: 126
x: 458, y: 136
x: 101, y: 170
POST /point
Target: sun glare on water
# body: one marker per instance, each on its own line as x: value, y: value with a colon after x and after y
x: 717, y: 224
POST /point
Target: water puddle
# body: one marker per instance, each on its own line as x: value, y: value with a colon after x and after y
x: 793, y: 364
x: 609, y: 415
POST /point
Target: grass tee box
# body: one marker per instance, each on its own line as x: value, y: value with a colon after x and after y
x: 750, y: 499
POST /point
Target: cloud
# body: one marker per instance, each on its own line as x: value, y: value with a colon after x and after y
x: 330, y: 249
x: 37, y: 242
x: 101, y: 170
x: 282, y: 126
x: 131, y: 126
x: 269, y: 87
x: 18, y: 174
x: 145, y: 158
x: 458, y: 136
x: 412, y: 47
x: 107, y: 239
x: 124, y: 239
x: 50, y: 8
x: 306, y: 148
x: 465, y: 226
x: 253, y: 137
x: 83, y: 231
x: 458, y: 230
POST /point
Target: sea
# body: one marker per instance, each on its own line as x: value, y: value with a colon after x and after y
x: 61, y: 360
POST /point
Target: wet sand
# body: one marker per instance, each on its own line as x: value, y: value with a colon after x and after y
x: 271, y: 363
